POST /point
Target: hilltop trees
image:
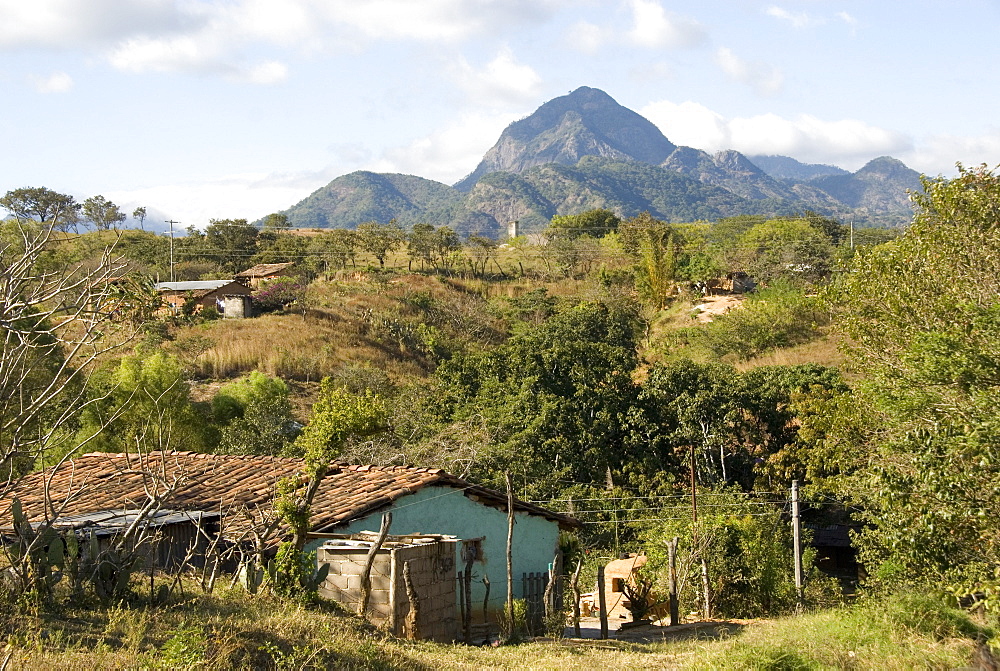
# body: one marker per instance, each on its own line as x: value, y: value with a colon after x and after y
x: 102, y: 213
x: 54, y: 211
x: 380, y: 239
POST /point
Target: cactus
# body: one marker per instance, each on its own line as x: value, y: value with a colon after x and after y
x: 38, y: 555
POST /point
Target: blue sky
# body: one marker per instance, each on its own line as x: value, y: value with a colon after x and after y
x: 200, y: 109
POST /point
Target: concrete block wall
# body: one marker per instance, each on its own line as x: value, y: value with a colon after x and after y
x: 432, y: 572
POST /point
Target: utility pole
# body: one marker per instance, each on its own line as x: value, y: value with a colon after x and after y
x: 797, y: 542
x: 172, y: 222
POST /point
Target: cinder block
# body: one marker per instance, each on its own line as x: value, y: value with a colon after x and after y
x: 379, y: 596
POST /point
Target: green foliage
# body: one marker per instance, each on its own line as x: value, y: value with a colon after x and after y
x: 145, y: 404
x: 794, y: 250
x: 656, y: 247
x: 380, y: 239
x: 186, y: 648
x: 256, y: 414
x: 54, y: 210
x: 777, y: 316
x: 555, y: 396
x: 230, y: 242
x: 748, y: 548
x: 924, y: 321
x: 337, y: 416
x: 294, y: 574
x: 102, y: 213
x: 595, y: 223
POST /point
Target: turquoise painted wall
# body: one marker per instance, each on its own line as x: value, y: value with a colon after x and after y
x: 444, y: 510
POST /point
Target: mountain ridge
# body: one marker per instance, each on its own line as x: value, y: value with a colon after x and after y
x: 584, y: 150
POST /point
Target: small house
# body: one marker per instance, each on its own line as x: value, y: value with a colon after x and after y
x: 351, y: 499
x: 262, y: 272
x: 205, y: 293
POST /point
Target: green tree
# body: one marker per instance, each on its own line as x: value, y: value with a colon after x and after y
x: 231, y: 242
x: 146, y: 405
x: 656, y: 248
x: 595, y: 223
x: 790, y: 249
x: 380, y: 240
x: 256, y: 414
x: 53, y: 210
x: 420, y: 244
x: 923, y: 316
x: 102, y: 213
x: 139, y: 214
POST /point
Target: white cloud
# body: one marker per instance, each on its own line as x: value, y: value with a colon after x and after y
x: 57, y: 82
x: 243, y: 196
x: 851, y: 22
x: 449, y: 154
x: 689, y: 124
x: 937, y: 154
x: 798, y: 20
x: 765, y: 79
x: 586, y: 37
x: 845, y: 142
x: 654, y: 27
x: 501, y: 82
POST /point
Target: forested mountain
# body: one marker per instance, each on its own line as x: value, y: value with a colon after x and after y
x: 584, y: 150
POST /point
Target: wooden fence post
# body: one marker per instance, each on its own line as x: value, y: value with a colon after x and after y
x: 575, y: 586
x: 674, y: 607
x: 602, y: 603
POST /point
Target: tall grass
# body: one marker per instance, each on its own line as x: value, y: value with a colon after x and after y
x: 903, y: 632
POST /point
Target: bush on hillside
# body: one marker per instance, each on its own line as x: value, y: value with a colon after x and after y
x: 771, y: 318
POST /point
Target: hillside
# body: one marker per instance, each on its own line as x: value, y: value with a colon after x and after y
x: 547, y: 164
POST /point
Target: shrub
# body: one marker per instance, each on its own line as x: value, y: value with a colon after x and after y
x: 775, y: 317
x: 748, y: 549
x: 277, y: 293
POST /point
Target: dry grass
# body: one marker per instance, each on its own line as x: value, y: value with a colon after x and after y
x: 233, y: 630
x: 824, y: 351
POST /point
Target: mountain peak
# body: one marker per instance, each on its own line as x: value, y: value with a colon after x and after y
x: 585, y: 122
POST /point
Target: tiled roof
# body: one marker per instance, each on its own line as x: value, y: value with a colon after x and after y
x: 264, y: 269
x: 215, y: 482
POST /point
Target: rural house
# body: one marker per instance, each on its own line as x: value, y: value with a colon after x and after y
x: 262, y: 272
x: 206, y: 293
x: 351, y: 499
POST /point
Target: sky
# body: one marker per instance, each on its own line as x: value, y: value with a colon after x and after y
x: 214, y: 109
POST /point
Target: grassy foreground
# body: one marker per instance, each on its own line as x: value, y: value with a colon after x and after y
x: 235, y: 631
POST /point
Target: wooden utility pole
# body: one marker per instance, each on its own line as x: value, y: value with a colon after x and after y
x: 797, y: 542
x: 172, y: 222
x: 510, y: 554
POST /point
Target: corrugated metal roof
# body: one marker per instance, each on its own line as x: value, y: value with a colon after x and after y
x: 200, y: 285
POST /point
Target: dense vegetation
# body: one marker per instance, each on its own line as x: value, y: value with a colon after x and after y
x: 577, y: 364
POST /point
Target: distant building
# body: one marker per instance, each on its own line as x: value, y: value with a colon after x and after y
x: 262, y: 272
x: 206, y: 293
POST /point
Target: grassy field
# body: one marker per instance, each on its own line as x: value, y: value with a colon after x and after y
x: 232, y: 630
